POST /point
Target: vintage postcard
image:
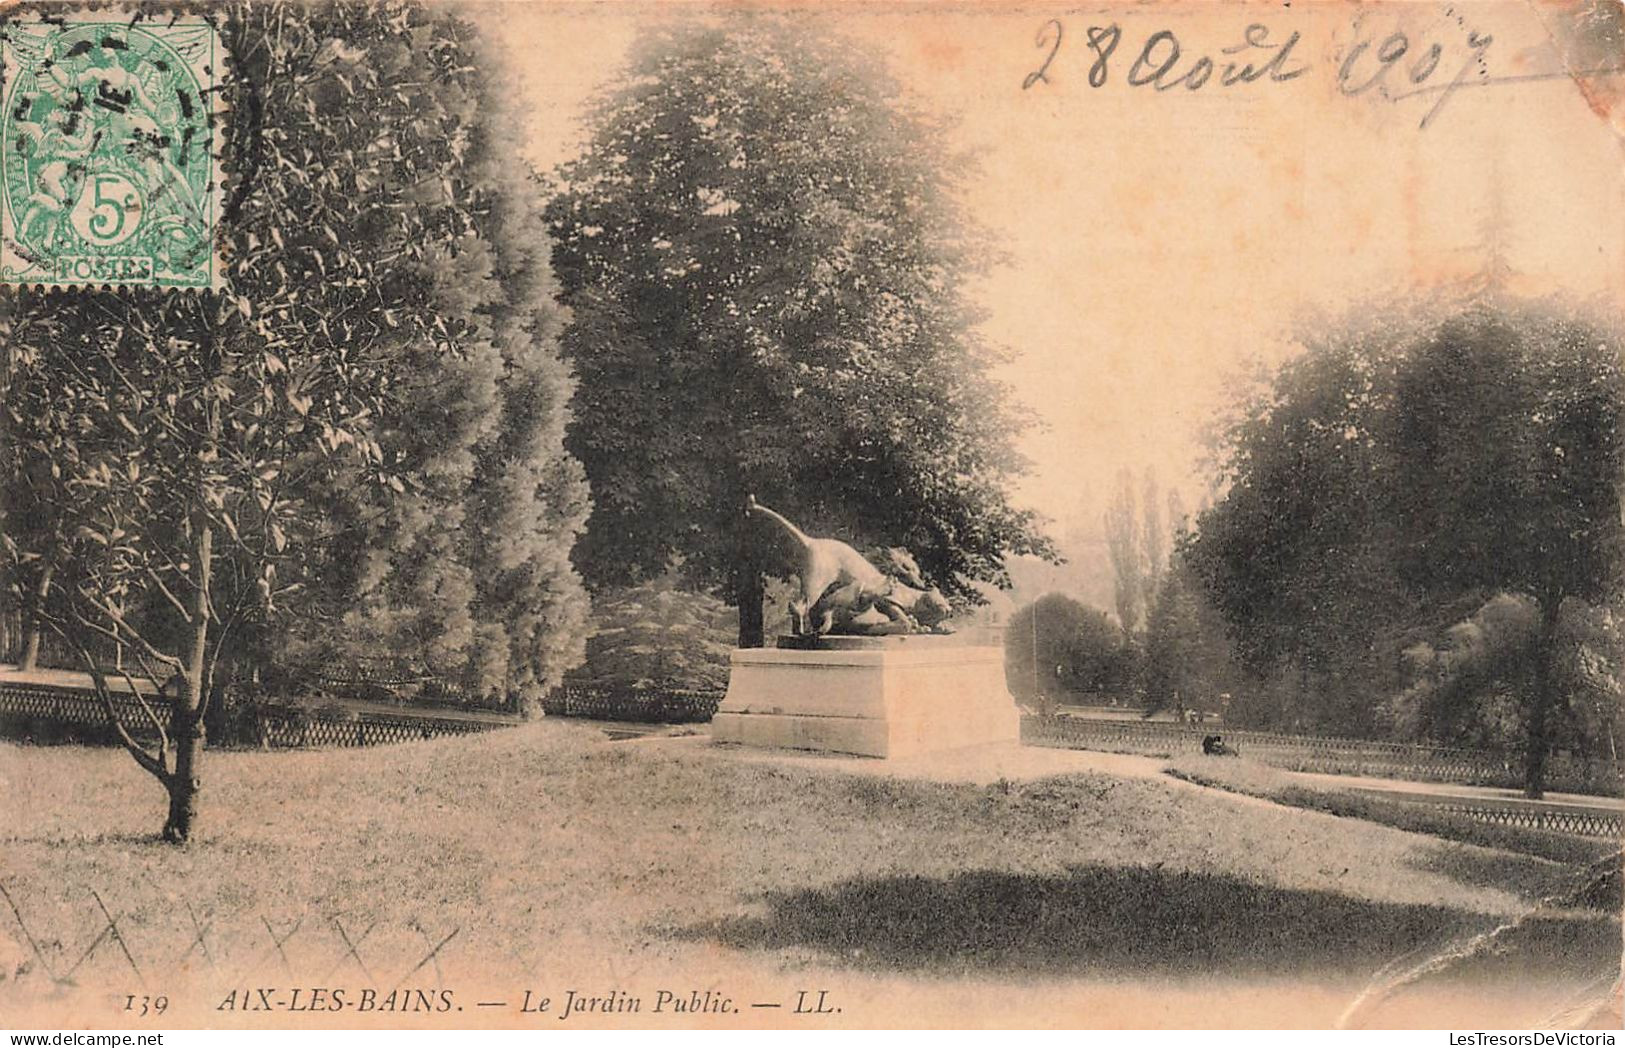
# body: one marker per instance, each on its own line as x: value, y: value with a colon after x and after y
x: 877, y: 514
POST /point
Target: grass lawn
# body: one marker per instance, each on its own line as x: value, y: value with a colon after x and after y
x: 558, y: 860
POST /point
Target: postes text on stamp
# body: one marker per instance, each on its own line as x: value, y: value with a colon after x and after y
x: 108, y: 171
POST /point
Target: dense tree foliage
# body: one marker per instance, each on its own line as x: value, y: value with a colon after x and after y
x: 1138, y: 537
x: 1172, y: 677
x: 1187, y: 662
x: 1130, y: 571
x: 1404, y: 474
x: 1461, y: 680
x: 1463, y: 685
x: 658, y: 635
x: 379, y: 357
x: 767, y: 268
x: 465, y: 571
x: 1057, y: 646
x: 1591, y: 674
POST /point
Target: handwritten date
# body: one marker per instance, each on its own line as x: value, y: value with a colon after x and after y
x: 1392, y: 66
x: 1163, y: 64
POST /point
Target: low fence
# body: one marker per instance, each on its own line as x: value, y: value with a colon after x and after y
x: 47, y: 713
x: 278, y: 727
x: 1389, y: 760
x: 656, y: 705
x: 1555, y: 818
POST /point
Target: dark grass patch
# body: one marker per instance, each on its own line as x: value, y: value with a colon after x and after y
x: 1123, y: 920
x: 1562, y: 946
x: 1600, y: 889
x: 1488, y: 868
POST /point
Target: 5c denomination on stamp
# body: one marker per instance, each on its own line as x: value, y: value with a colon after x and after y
x: 108, y: 170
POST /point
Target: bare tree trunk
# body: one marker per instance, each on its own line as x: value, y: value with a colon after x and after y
x: 749, y: 594
x: 1543, y: 699
x: 31, y: 635
x: 186, y: 710
x: 749, y: 587
x: 30, y: 657
x: 183, y: 784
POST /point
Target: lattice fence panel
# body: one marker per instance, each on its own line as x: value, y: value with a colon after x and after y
x: 23, y: 706
x: 1584, y: 822
x: 650, y: 705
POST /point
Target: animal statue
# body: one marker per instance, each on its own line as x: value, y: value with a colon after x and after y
x: 842, y: 592
x: 921, y: 610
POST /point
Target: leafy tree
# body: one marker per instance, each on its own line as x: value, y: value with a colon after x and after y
x: 1399, y: 469
x: 1137, y: 543
x: 1124, y: 544
x: 766, y: 265
x: 34, y: 569
x: 1057, y: 645
x: 193, y: 444
x: 656, y: 634
x: 1173, y: 637
x: 1153, y: 540
x: 1461, y: 690
x: 1293, y: 554
x: 465, y: 572
x: 1187, y: 661
x: 1591, y: 672
x: 1511, y: 478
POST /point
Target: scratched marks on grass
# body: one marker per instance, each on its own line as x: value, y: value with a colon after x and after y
x: 260, y: 961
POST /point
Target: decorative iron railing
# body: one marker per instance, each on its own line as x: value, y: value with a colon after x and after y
x: 649, y: 705
x: 1576, y: 819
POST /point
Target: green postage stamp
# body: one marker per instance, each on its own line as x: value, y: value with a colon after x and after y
x: 108, y: 152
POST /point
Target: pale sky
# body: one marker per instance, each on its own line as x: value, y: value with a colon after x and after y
x: 1161, y: 239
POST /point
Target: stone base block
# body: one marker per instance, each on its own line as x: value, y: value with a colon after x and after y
x: 895, y: 699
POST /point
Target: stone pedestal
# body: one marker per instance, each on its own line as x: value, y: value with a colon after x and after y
x: 874, y: 696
